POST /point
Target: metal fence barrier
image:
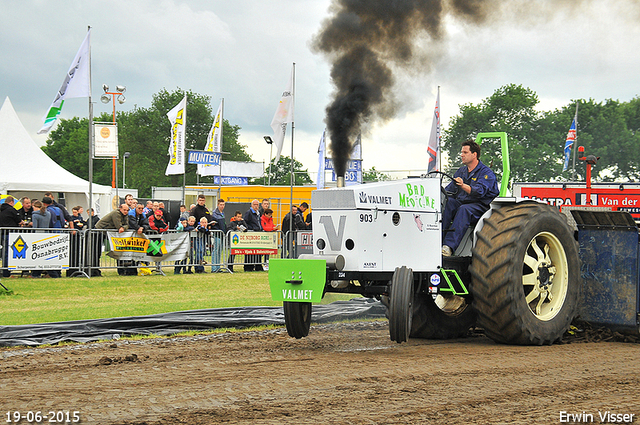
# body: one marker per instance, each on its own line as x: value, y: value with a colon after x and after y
x: 88, y: 253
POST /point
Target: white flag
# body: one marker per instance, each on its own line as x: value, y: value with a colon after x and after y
x: 322, y: 150
x: 434, y: 138
x: 75, y: 84
x: 178, y: 118
x: 283, y: 115
x: 214, y: 142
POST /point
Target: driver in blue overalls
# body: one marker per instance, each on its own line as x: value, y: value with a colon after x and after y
x: 474, y: 186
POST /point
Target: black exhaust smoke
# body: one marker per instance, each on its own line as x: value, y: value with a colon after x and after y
x: 367, y: 41
x: 361, y: 79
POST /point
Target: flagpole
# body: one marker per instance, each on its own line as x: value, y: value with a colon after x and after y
x: 360, y: 172
x: 575, y: 144
x: 184, y: 178
x: 221, y: 139
x: 88, y: 246
x: 321, y: 160
x: 184, y: 154
x: 270, y: 157
x: 293, y: 103
x: 439, y: 159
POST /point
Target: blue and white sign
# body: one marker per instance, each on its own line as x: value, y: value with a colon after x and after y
x: 352, y: 165
x: 231, y: 181
x: 353, y: 174
x: 349, y: 177
x: 204, y: 158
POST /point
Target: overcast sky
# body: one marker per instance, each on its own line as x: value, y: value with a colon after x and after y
x: 243, y: 50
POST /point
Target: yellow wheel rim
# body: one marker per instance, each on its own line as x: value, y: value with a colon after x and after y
x: 545, y: 276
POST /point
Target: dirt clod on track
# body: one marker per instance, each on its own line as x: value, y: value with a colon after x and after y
x: 340, y: 374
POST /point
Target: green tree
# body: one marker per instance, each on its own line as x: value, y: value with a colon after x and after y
x: 511, y: 109
x: 144, y: 132
x: 373, y: 175
x: 609, y: 130
x: 536, y: 139
x: 281, y: 173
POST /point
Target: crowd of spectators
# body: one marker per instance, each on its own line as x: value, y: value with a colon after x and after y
x: 208, y: 228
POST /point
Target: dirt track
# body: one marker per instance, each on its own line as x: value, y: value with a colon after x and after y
x: 340, y: 374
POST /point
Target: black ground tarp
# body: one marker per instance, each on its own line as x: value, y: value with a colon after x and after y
x: 171, y: 323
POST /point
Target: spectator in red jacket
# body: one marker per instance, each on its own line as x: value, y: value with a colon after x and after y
x: 157, y: 223
x: 267, y: 221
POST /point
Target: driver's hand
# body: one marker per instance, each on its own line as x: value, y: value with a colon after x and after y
x: 459, y: 181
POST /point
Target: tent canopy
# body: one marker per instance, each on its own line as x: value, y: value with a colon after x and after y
x: 42, y: 173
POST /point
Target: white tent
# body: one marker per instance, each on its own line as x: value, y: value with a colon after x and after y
x: 27, y: 171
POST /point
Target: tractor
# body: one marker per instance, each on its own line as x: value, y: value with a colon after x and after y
x: 517, y: 274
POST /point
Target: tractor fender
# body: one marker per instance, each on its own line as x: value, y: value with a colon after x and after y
x: 496, y: 204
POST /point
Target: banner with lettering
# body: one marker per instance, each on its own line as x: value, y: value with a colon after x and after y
x: 178, y: 118
x: 254, y: 243
x: 38, y: 251
x: 149, y: 248
x: 304, y: 243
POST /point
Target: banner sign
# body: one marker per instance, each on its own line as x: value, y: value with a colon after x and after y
x: 349, y: 176
x: 149, y: 248
x: 178, y: 118
x: 231, y: 181
x: 603, y: 195
x: 304, y: 243
x: 354, y: 168
x: 233, y: 168
x: 203, y: 157
x: 254, y: 243
x: 106, y: 140
x: 352, y: 164
x: 38, y: 251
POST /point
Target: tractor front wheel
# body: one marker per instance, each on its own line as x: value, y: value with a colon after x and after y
x: 297, y: 318
x: 401, y: 304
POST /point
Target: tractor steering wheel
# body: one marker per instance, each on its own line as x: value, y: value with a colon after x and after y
x: 441, y: 173
x: 445, y: 194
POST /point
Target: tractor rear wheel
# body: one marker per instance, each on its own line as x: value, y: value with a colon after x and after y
x: 401, y: 304
x: 525, y: 274
x: 297, y: 318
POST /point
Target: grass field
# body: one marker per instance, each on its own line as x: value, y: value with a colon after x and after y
x: 32, y: 301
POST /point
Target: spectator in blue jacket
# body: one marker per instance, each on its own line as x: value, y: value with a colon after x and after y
x: 186, y: 225
x: 41, y: 219
x: 200, y: 244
